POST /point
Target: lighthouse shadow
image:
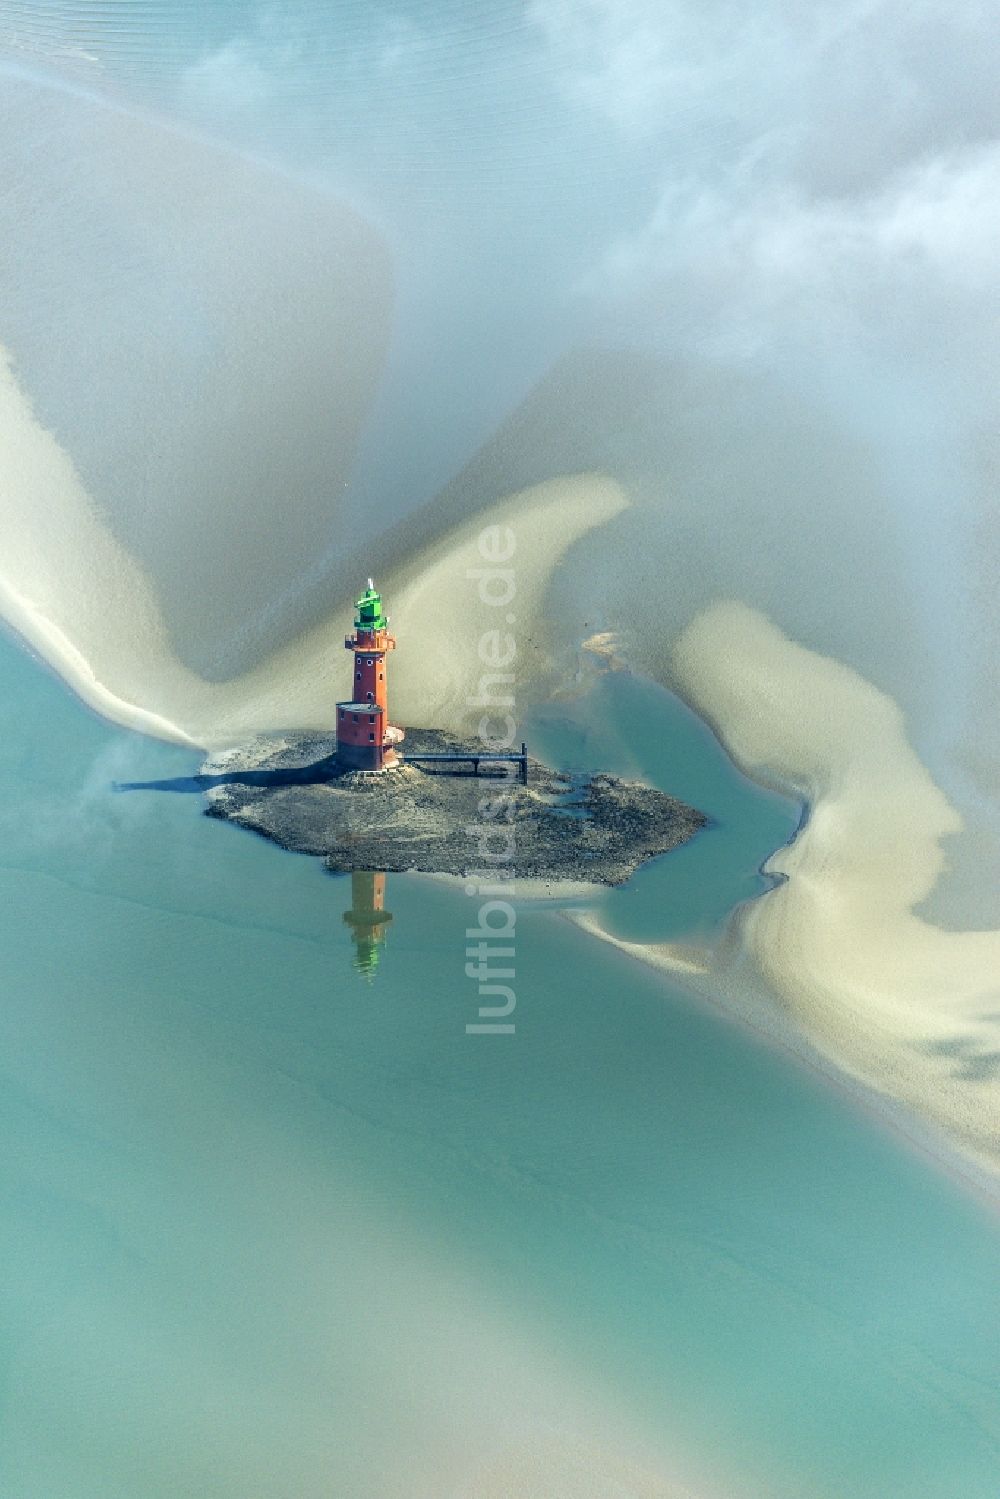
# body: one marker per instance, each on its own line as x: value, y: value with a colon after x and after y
x: 287, y: 775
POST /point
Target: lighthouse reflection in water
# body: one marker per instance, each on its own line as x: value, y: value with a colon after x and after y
x: 368, y: 919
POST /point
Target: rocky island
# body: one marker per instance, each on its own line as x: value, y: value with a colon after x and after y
x: 444, y: 818
x: 439, y: 806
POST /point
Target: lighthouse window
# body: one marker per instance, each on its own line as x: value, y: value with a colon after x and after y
x: 371, y: 718
x: 380, y: 676
x: 357, y: 676
x: 371, y: 736
x: 355, y: 717
x: 342, y: 713
x: 369, y: 661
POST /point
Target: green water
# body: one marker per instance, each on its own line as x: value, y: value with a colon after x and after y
x: 228, y: 1162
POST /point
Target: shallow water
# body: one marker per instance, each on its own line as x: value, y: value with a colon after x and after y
x: 259, y: 1215
x: 692, y: 893
x: 269, y: 1229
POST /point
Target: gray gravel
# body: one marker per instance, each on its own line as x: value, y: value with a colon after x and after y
x: 560, y: 827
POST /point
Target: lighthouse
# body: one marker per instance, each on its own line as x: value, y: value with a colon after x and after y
x: 366, y: 740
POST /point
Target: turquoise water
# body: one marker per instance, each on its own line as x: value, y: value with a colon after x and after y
x: 230, y: 1165
x: 692, y: 893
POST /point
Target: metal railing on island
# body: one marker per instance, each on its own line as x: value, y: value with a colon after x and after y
x: 476, y: 758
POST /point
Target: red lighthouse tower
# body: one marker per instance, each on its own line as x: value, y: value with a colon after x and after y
x: 365, y: 738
